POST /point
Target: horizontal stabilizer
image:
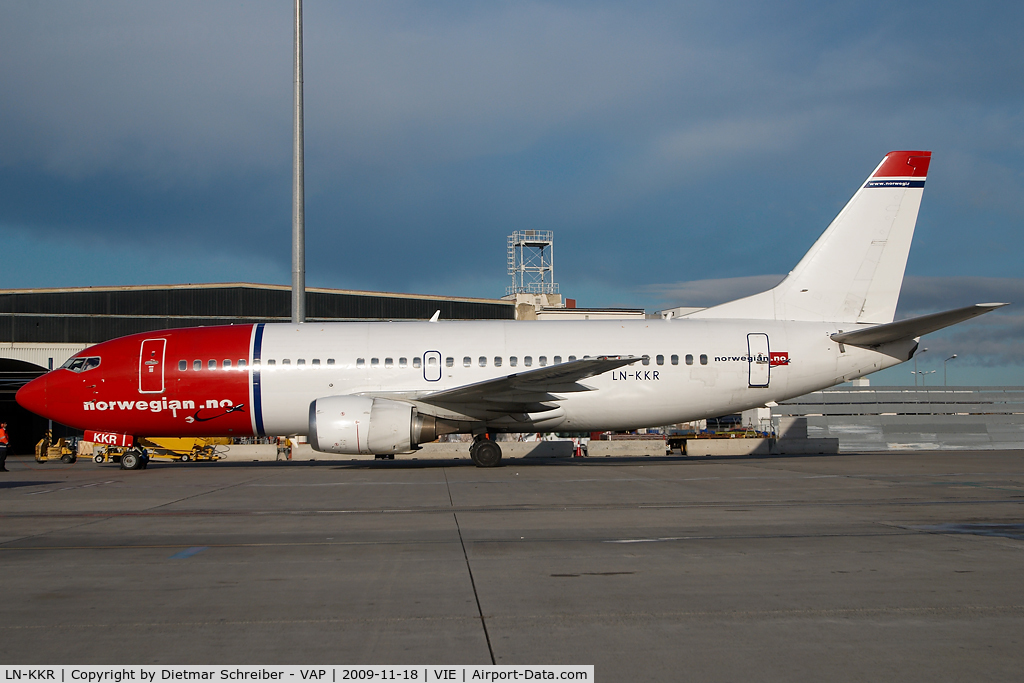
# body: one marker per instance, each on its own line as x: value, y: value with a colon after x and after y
x: 913, y: 327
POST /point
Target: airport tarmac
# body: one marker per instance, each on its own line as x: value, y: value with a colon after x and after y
x: 888, y: 566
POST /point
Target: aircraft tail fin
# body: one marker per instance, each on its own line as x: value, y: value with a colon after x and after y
x: 854, y: 272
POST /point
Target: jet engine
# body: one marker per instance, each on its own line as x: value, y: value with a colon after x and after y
x: 360, y: 425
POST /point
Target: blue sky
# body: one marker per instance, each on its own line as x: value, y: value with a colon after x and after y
x: 680, y: 151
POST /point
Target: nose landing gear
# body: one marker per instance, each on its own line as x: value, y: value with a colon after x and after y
x: 134, y: 459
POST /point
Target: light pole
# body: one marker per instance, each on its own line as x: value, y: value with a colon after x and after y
x: 944, y: 368
x: 915, y: 363
x: 924, y: 376
x: 298, y: 182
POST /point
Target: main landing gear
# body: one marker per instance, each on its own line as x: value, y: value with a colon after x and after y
x: 484, y: 452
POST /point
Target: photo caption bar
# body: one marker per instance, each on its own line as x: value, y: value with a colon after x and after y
x: 313, y: 674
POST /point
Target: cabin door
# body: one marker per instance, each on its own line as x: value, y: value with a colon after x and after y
x: 432, y: 366
x: 151, y: 366
x: 758, y: 359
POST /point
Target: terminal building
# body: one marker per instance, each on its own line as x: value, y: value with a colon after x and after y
x: 867, y: 418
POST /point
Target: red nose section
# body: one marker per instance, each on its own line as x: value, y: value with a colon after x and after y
x: 32, y: 396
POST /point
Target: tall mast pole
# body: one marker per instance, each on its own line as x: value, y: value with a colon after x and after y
x: 298, y: 190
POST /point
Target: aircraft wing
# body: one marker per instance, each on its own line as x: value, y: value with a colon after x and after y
x: 532, y: 391
x: 912, y: 327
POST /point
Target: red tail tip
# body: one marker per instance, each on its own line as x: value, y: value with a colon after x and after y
x: 904, y: 164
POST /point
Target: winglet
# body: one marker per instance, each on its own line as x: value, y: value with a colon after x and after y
x: 437, y: 314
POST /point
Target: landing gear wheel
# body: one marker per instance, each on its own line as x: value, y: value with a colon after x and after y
x: 97, y: 459
x: 131, y: 461
x: 485, y: 454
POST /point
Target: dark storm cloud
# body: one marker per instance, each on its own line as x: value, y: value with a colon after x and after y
x: 928, y: 294
x: 660, y: 141
x: 992, y: 340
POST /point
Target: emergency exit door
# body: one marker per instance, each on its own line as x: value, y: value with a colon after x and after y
x: 151, y: 366
x: 758, y: 359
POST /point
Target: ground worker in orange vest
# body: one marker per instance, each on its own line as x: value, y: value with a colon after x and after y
x: 3, y: 446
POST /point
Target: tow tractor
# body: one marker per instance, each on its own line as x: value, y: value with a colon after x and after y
x: 145, y: 449
x: 65, y: 450
x: 185, y: 449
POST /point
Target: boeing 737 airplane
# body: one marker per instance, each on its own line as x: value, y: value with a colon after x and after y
x: 386, y: 387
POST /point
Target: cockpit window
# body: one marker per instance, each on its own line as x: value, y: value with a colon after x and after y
x: 80, y: 364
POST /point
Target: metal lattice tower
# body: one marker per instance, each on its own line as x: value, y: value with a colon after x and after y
x: 531, y: 262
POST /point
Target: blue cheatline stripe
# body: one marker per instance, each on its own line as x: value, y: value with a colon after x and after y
x: 188, y: 552
x: 895, y: 183
x: 257, y: 400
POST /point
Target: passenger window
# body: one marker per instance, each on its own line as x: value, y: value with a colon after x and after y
x: 482, y: 361
x: 675, y: 359
x: 646, y: 360
x: 557, y: 360
x: 572, y: 358
x: 360, y: 362
x: 271, y: 362
x: 330, y: 361
x: 374, y: 362
x: 659, y: 359
x: 543, y: 360
x: 182, y: 366
x: 689, y: 359
x: 417, y: 363
x: 389, y: 362
x: 403, y: 362
x: 286, y: 361
x: 528, y: 361
x: 497, y: 361
x: 703, y: 359
x: 212, y: 364
x: 315, y: 361
x: 227, y: 363
x: 241, y: 363
x: 512, y: 360
x: 449, y: 362
x: 197, y: 365
x: 300, y: 361
x: 467, y: 361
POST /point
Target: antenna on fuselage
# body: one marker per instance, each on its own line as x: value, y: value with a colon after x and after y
x: 298, y: 189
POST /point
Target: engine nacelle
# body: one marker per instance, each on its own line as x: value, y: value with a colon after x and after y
x: 358, y: 425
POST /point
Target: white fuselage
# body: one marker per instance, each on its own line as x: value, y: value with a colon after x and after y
x: 301, y: 363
